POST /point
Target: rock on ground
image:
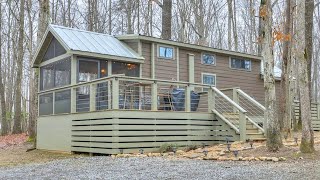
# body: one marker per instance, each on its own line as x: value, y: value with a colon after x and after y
x: 103, y: 167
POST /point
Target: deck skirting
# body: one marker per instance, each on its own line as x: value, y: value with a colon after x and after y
x: 112, y: 132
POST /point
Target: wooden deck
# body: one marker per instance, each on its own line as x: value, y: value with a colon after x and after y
x: 125, y: 114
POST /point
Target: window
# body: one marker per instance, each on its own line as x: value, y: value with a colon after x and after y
x: 56, y: 74
x: 209, y: 79
x: 240, y: 64
x: 55, y: 49
x: 88, y: 70
x: 209, y: 59
x: 128, y: 69
x: 165, y: 52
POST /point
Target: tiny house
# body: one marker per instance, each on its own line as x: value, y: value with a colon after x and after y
x: 109, y: 94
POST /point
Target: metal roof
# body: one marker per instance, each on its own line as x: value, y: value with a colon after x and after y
x: 86, y: 41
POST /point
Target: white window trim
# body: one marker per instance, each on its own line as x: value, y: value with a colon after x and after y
x: 166, y: 46
x: 239, y: 68
x: 210, y: 74
x: 215, y: 59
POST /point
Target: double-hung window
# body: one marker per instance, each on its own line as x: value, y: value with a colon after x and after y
x: 208, y: 59
x: 165, y: 52
x: 208, y: 79
x: 242, y: 64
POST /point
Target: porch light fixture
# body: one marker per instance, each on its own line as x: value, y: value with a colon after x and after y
x: 141, y: 151
x: 235, y: 153
x: 205, y: 152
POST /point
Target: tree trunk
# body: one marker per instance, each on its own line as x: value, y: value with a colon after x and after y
x: 309, y: 7
x: 4, y: 123
x: 230, y: 17
x: 43, y: 18
x: 166, y: 19
x: 307, y: 140
x: 284, y: 85
x: 274, y: 141
x: 17, y: 106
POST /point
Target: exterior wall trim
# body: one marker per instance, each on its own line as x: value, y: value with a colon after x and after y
x: 185, y: 45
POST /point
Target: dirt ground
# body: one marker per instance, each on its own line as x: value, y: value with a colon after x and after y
x: 15, y: 151
x: 16, y: 154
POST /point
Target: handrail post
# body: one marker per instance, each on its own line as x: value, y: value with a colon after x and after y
x: 115, y: 93
x: 242, y: 126
x: 235, y: 98
x: 154, y: 96
x: 93, y: 93
x: 53, y: 102
x: 318, y: 108
x: 211, y: 99
x: 188, y: 99
x: 73, y: 103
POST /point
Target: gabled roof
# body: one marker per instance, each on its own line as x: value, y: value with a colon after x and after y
x: 76, y: 41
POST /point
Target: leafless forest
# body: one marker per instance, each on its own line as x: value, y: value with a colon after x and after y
x: 283, y: 31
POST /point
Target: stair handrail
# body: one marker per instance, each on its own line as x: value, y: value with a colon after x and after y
x: 226, y: 121
x: 216, y: 90
x: 242, y: 114
x: 255, y: 124
x: 251, y: 99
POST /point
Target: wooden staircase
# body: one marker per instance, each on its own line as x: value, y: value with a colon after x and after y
x: 252, y: 131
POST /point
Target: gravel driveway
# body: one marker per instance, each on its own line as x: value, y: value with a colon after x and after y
x: 158, y: 168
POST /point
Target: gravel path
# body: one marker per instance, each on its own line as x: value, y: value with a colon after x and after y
x: 159, y: 168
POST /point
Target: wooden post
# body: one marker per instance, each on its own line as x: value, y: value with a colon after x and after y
x: 188, y: 99
x: 211, y: 100
x: 53, y: 101
x: 73, y: 100
x: 154, y: 96
x: 153, y: 66
x: 242, y: 126
x: 318, y: 108
x: 191, y: 68
x: 235, y: 98
x: 115, y: 93
x: 93, y: 93
x: 74, y: 68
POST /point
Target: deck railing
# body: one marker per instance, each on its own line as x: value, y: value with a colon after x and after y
x: 230, y: 112
x: 255, y: 110
x: 125, y: 93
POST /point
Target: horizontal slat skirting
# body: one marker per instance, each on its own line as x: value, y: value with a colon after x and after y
x: 145, y: 122
x: 142, y: 127
x: 150, y: 133
x: 136, y: 145
x: 212, y: 136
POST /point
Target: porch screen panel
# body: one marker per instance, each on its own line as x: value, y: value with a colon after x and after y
x: 46, y: 104
x: 128, y: 69
x: 55, y: 74
x: 62, y: 102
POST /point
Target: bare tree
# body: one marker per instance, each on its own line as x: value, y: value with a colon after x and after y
x: 4, y: 123
x: 285, y: 102
x: 309, y: 7
x: 274, y: 141
x: 166, y: 18
x: 17, y: 112
x: 307, y: 140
